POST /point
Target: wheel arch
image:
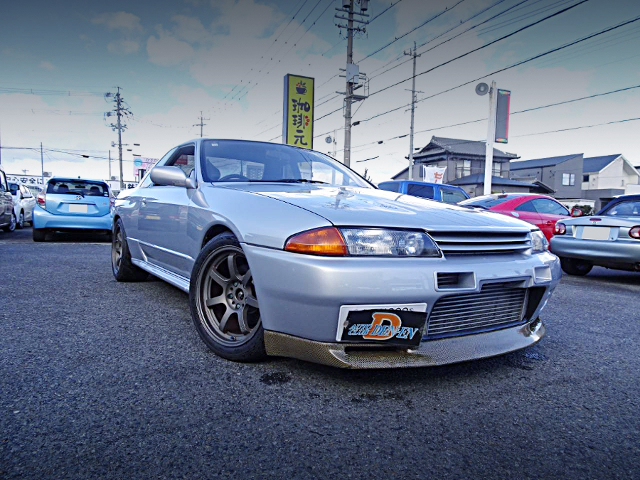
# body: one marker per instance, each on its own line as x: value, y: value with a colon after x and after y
x: 214, y: 231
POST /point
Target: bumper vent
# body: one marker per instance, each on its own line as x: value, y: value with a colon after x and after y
x: 448, y: 280
x: 496, y: 306
x: 481, y: 243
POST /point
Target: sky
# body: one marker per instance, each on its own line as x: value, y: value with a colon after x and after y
x: 227, y: 59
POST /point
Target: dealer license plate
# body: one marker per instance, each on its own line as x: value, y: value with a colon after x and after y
x: 595, y: 233
x: 384, y: 324
x: 78, y: 207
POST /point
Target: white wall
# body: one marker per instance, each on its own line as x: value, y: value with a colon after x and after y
x: 618, y: 174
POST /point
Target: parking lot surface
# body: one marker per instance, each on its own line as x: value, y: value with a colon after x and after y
x: 100, y: 379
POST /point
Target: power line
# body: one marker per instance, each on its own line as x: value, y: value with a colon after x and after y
x: 412, y: 30
x: 517, y: 64
x: 483, y: 46
x: 579, y: 128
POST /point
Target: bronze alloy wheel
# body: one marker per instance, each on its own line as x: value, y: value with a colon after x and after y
x: 227, y: 297
x: 116, y: 249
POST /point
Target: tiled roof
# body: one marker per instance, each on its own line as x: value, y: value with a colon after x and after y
x: 542, y: 162
x: 595, y: 164
x: 478, y: 178
x: 462, y: 147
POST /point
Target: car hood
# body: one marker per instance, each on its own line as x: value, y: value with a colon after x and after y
x: 354, y: 206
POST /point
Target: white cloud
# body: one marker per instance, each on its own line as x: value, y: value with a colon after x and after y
x: 119, y: 21
x: 166, y: 50
x: 47, y: 65
x: 190, y: 29
x: 123, y: 46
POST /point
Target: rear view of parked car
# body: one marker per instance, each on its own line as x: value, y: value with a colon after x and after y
x: 23, y: 204
x: 434, y: 191
x: 72, y: 204
x: 7, y: 217
x: 611, y: 238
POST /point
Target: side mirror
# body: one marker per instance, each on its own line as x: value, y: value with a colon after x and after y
x: 576, y: 212
x: 171, y: 176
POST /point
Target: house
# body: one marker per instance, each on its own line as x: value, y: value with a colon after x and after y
x: 608, y: 176
x: 563, y: 174
x: 465, y: 161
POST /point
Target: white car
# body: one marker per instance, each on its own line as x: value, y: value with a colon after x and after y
x: 23, y: 204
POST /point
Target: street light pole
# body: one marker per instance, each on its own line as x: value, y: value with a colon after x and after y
x: 491, y: 136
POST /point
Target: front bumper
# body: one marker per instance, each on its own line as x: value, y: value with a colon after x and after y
x: 300, y: 298
x: 44, y: 219
x: 428, y: 354
x: 597, y: 251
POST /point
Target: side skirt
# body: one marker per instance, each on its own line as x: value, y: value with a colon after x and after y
x: 163, y: 274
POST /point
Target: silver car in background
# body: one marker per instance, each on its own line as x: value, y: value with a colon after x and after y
x: 611, y: 238
x: 286, y: 252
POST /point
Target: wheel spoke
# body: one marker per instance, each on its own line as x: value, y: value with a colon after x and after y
x: 231, y: 263
x: 215, y: 301
x: 251, y: 301
x: 225, y: 319
x: 245, y: 278
x: 219, y: 279
x: 243, y: 321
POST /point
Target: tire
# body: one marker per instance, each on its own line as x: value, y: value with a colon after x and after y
x: 223, y: 302
x: 575, y: 267
x: 39, y: 234
x: 123, y: 269
x: 20, y: 223
x: 12, y: 226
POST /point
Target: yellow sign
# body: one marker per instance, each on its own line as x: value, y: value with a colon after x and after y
x: 297, y: 124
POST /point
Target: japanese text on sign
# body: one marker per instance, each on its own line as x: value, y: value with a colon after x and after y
x: 297, y: 125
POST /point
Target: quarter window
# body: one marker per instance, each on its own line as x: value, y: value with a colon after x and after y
x: 526, y: 207
x: 452, y: 196
x: 546, y: 206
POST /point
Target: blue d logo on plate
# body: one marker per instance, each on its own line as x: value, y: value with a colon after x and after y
x: 137, y: 162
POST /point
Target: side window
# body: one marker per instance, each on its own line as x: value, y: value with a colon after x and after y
x: 184, y: 159
x: 543, y: 205
x: 424, y: 191
x: 146, y: 181
x: 451, y: 196
x: 25, y: 192
x: 390, y: 187
x: 526, y: 207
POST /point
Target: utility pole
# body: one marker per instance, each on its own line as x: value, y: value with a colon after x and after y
x: 491, y: 136
x: 201, y: 124
x: 119, y: 112
x: 42, y: 164
x: 109, y: 165
x: 413, y: 107
x: 352, y: 72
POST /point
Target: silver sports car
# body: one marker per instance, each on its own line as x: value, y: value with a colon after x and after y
x: 284, y: 251
x: 611, y: 238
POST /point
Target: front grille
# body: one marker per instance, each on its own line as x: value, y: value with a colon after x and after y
x: 480, y: 243
x: 497, y: 305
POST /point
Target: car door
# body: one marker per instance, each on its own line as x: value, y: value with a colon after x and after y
x: 527, y: 211
x: 6, y: 200
x: 163, y: 216
x: 550, y: 212
x: 28, y: 202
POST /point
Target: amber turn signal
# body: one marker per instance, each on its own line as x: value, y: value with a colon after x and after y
x: 322, y: 241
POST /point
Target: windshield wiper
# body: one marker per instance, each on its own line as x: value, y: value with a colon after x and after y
x: 296, y: 180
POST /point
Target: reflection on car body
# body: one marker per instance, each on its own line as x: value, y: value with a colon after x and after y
x: 284, y: 251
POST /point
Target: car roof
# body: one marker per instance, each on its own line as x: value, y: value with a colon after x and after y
x: 418, y: 182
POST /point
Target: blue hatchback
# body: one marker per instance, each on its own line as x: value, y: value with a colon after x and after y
x: 434, y: 191
x: 72, y: 204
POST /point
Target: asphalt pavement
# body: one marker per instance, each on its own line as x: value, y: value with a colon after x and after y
x: 108, y: 380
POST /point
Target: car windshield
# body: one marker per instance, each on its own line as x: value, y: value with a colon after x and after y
x: 14, y: 187
x: 239, y: 161
x: 624, y: 209
x: 78, y: 187
x: 487, y: 201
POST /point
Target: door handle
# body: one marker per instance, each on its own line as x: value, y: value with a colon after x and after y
x: 144, y: 202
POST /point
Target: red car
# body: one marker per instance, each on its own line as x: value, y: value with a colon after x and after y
x: 540, y: 210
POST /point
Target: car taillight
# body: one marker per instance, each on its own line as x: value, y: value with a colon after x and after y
x: 560, y: 228
x: 635, y: 232
x: 322, y: 241
x: 112, y: 202
x: 42, y: 199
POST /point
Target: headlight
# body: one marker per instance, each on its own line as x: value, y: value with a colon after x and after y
x: 539, y: 242
x: 386, y: 242
x: 363, y: 242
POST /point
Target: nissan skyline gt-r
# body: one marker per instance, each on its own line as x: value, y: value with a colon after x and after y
x: 610, y: 238
x: 284, y: 251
